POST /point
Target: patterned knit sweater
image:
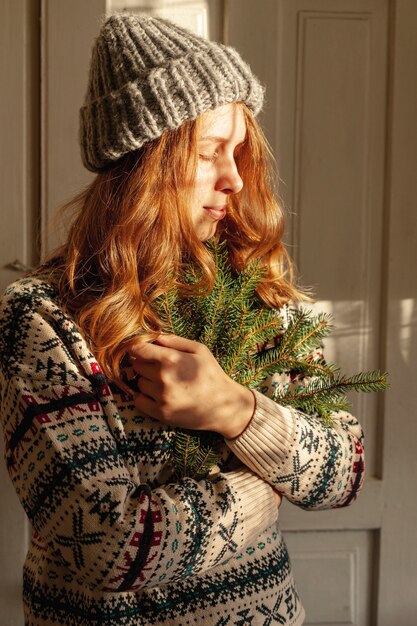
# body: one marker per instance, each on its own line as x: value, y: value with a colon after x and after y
x: 116, y: 538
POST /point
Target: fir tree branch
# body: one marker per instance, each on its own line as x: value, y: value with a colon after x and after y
x: 291, y: 331
x: 288, y: 364
x: 252, y: 276
x: 319, y: 327
x: 244, y: 341
x: 233, y: 321
x: 329, y: 389
x: 167, y: 312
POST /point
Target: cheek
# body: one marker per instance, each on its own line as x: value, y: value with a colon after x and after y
x: 203, y: 182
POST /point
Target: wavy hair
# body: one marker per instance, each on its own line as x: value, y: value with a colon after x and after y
x: 131, y: 234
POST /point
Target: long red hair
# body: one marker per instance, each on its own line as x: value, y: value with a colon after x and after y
x: 131, y: 233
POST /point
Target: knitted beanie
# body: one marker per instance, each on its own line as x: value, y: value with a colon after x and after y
x: 148, y: 75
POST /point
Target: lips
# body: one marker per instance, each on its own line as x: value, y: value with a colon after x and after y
x: 217, y: 212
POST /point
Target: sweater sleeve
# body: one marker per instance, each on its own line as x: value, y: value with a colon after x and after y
x: 78, y: 481
x: 313, y: 466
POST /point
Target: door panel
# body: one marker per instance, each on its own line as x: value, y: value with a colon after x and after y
x: 333, y: 571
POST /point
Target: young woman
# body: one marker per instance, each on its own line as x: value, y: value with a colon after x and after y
x: 92, y: 392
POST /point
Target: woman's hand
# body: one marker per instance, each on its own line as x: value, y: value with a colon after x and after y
x: 182, y: 384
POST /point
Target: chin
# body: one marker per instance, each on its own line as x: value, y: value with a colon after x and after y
x: 204, y: 234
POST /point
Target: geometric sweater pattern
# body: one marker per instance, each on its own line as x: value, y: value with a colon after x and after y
x: 116, y: 538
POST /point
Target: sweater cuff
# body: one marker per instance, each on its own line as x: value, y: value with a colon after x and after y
x: 268, y: 439
x: 256, y: 499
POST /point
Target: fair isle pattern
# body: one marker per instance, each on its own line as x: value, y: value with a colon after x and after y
x: 116, y: 538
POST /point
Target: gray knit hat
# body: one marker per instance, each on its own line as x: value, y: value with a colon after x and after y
x: 148, y: 75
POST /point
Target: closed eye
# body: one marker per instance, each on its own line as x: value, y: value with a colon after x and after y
x: 209, y: 157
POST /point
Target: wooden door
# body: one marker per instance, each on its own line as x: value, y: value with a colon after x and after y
x: 341, y: 91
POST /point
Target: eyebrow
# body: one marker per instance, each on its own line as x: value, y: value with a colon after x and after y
x: 218, y: 139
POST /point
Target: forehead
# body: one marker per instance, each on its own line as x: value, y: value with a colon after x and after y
x: 226, y: 122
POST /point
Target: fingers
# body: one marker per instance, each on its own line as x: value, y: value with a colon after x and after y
x: 178, y: 343
x: 163, y: 347
x: 145, y: 369
x: 147, y: 387
x: 146, y: 405
x: 165, y: 350
x: 148, y: 352
x: 171, y: 371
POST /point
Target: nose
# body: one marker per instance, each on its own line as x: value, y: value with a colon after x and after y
x: 229, y: 180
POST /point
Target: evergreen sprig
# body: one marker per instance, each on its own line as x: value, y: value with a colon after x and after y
x: 251, y: 342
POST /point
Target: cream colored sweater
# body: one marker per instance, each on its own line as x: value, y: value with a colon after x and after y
x: 116, y: 538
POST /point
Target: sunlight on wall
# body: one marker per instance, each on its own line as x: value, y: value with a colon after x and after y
x: 408, y: 323
x: 352, y: 341
x: 191, y: 14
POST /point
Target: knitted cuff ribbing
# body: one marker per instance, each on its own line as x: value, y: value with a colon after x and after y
x: 269, y: 437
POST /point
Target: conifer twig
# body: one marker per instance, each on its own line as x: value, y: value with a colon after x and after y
x: 232, y: 321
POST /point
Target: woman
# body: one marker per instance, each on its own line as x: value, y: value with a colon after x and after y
x: 92, y: 391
